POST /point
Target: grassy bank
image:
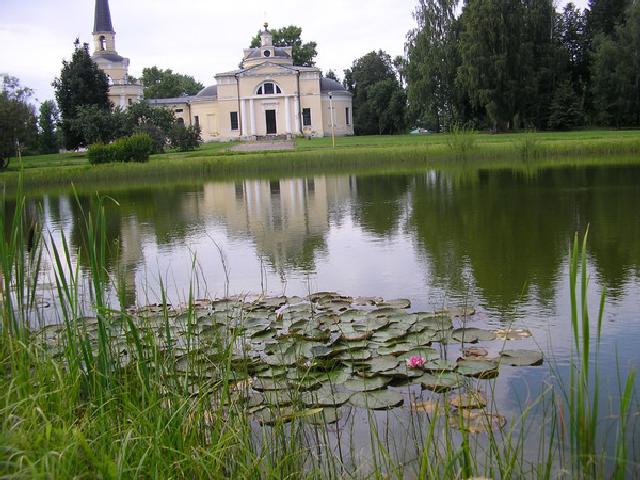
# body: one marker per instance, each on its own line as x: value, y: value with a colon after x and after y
x: 116, y: 395
x: 353, y: 154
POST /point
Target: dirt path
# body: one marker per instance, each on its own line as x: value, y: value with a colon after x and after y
x: 264, y: 146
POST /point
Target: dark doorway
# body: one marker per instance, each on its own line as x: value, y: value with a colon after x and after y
x: 272, y: 127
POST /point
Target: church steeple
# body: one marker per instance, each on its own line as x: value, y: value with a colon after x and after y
x: 104, y: 37
x: 102, y: 19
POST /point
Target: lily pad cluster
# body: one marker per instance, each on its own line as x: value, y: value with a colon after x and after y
x: 320, y: 352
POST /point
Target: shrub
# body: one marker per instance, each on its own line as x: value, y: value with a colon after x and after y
x: 135, y: 148
x: 100, y: 153
x: 157, y: 134
x: 185, y: 138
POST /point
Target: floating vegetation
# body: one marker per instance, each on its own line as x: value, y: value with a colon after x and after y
x: 311, y: 356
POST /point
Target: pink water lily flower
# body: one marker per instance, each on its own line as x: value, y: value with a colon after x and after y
x: 416, y: 362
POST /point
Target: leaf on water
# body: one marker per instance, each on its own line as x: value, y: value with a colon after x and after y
x: 396, y: 349
x: 403, y: 372
x: 355, y: 355
x: 478, y: 368
x: 383, y: 363
x: 380, y: 400
x: 277, y: 397
x: 521, y: 358
x: 367, y: 301
x: 366, y: 384
x: 475, y: 352
x: 427, y: 353
x: 396, y: 303
x: 322, y: 416
x: 439, y: 382
x: 512, y: 333
x: 472, y: 335
x: 440, y: 365
x: 477, y: 422
x: 472, y: 400
x: 325, y: 397
x: 428, y: 406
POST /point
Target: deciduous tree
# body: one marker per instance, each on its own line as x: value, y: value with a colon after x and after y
x: 304, y: 54
x: 47, y: 121
x: 160, y: 83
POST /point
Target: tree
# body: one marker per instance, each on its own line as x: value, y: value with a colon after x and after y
x: 332, y: 75
x: 605, y: 15
x: 432, y: 62
x: 573, y: 35
x: 379, y: 101
x: 18, y: 127
x: 160, y: 83
x: 81, y: 83
x: 48, y: 138
x: 566, y: 108
x: 616, y: 73
x: 304, y: 54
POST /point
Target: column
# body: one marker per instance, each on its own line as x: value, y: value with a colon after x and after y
x: 287, y: 115
x: 296, y: 107
x: 253, y: 118
x: 243, y: 109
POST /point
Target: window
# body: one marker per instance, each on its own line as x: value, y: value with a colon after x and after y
x: 197, y: 121
x: 130, y: 101
x: 180, y: 121
x: 234, y: 120
x: 266, y: 53
x: 306, y: 117
x: 268, y: 89
x: 103, y: 43
x: 348, y: 118
x: 178, y: 110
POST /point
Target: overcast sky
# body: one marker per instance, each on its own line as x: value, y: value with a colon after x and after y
x: 195, y: 37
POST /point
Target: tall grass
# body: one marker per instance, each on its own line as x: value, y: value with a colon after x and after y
x: 152, y: 407
x: 462, y: 140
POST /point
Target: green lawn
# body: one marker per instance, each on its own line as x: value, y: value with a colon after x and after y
x: 314, y: 156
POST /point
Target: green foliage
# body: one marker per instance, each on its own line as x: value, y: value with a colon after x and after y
x: 605, y: 15
x: 81, y: 83
x: 185, y: 138
x: 160, y: 83
x: 304, y: 54
x: 135, y: 148
x: 461, y: 139
x: 18, y: 124
x: 379, y: 102
x: 566, y: 108
x: 616, y: 73
x: 95, y: 124
x: 156, y: 122
x: 48, y: 138
x: 433, y: 59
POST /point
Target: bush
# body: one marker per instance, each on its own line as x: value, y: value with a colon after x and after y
x: 185, y: 138
x: 135, y: 148
x: 158, y: 136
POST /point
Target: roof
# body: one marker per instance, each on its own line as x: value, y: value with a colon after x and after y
x: 279, y: 52
x: 329, y: 85
x: 169, y: 101
x: 111, y: 57
x: 102, y: 19
x: 210, y: 91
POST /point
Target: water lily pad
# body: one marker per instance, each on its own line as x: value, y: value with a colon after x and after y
x: 472, y: 335
x: 396, y: 303
x: 383, y: 363
x: 355, y: 355
x: 325, y: 397
x: 521, y: 358
x: 477, y: 422
x: 427, y: 406
x: 366, y: 384
x: 263, y: 384
x: 402, y: 371
x: 440, y: 365
x: 380, y: 400
x: 325, y: 416
x: 367, y: 301
x: 427, y: 353
x: 396, y: 349
x: 277, y: 397
x: 439, y: 382
x: 472, y: 400
x: 475, y: 352
x: 389, y: 334
x: 512, y: 333
x: 478, y: 368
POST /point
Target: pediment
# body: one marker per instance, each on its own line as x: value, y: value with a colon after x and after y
x: 268, y: 68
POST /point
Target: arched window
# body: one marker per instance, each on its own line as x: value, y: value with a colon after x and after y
x: 268, y: 88
x: 103, y: 43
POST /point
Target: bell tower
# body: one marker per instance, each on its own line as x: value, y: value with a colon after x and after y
x: 123, y: 90
x: 104, y: 36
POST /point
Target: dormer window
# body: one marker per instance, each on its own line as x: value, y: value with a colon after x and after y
x: 268, y: 88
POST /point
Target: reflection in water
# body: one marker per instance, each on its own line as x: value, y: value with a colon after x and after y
x: 502, y: 235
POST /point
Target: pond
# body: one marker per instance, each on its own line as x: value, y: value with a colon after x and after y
x: 496, y: 241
